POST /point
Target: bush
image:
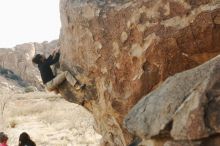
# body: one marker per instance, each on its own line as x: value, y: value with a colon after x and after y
x: 30, y: 89
x: 12, y: 124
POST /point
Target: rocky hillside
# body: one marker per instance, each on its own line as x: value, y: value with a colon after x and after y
x: 127, y: 48
x: 9, y: 81
x: 18, y: 60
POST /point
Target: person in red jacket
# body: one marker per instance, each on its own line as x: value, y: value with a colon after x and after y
x: 3, y: 139
x: 49, y: 79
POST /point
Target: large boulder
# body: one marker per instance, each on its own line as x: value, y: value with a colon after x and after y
x: 185, y: 106
x: 127, y: 48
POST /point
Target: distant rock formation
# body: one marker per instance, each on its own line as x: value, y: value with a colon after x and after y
x: 18, y: 60
x: 127, y: 48
x: 10, y: 82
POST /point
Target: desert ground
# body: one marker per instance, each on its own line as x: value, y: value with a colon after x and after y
x: 48, y: 119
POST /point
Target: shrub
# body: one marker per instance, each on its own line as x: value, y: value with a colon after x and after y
x: 12, y: 124
x: 30, y: 89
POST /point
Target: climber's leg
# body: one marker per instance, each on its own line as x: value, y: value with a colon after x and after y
x: 73, y: 81
x: 70, y: 78
x: 53, y: 84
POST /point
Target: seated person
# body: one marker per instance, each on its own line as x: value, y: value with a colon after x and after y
x: 25, y: 140
x: 3, y: 139
x: 49, y: 80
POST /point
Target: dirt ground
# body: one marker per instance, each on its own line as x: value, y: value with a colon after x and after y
x: 49, y: 120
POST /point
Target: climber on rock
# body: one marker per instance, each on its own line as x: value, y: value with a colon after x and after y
x: 49, y: 79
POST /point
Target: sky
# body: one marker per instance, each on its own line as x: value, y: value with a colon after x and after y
x: 23, y: 21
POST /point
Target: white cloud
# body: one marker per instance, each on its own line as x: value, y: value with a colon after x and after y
x: 28, y: 21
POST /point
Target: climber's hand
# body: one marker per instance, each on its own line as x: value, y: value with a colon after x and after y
x: 58, y: 49
x: 54, y: 51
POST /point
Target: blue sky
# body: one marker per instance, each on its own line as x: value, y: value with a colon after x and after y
x: 24, y: 21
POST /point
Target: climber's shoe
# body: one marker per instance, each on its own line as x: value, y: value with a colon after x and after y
x: 79, y: 86
x: 83, y: 86
x: 56, y: 91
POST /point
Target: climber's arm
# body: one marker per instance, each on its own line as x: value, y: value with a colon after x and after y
x: 56, y: 57
x: 53, y: 59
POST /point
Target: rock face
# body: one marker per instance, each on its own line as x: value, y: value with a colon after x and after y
x: 185, y: 106
x: 127, y: 48
x: 18, y: 59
